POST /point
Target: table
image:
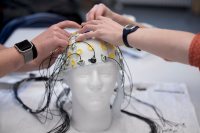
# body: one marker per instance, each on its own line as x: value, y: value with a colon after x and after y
x: 167, y: 97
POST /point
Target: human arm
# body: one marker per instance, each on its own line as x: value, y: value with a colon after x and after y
x: 53, y: 39
x: 10, y: 60
x: 102, y: 10
x: 2, y: 47
x: 169, y: 44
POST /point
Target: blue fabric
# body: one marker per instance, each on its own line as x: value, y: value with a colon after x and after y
x: 35, y: 20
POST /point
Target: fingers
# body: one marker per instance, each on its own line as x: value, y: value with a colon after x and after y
x: 68, y: 24
x: 99, y: 20
x: 102, y: 18
x: 62, y: 42
x: 60, y: 36
x: 64, y: 33
x: 94, y: 22
x: 57, y: 29
x: 91, y: 28
x: 97, y: 10
x: 90, y: 15
x: 100, y: 11
x: 87, y: 28
x: 58, y: 51
x: 55, y: 32
x: 85, y: 36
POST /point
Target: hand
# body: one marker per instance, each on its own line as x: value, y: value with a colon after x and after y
x: 99, y: 10
x: 53, y: 40
x: 103, y: 28
x: 102, y: 10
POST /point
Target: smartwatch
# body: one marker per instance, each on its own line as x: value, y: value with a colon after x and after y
x: 126, y: 31
x: 27, y: 49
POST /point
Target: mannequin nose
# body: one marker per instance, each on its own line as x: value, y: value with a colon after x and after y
x: 95, y: 82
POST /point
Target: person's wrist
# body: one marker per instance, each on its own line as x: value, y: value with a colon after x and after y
x: 127, y: 30
x: 27, y: 49
x: 20, y: 61
x: 2, y: 47
x: 119, y: 37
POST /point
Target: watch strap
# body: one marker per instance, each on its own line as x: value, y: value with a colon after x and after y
x: 28, y: 55
x: 126, y: 32
x: 35, y: 54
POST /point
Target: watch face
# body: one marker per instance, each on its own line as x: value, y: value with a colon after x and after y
x: 130, y: 26
x: 24, y: 45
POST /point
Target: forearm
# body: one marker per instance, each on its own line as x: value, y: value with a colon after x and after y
x: 27, y: 67
x: 124, y: 20
x: 10, y: 61
x: 168, y: 44
x: 2, y: 47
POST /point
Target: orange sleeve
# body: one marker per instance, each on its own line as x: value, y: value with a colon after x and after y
x: 194, y: 51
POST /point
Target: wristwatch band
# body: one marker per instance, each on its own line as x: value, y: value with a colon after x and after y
x: 28, y: 55
x: 35, y: 54
x: 126, y: 31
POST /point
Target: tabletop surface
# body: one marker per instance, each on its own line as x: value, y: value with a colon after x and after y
x: 167, y: 98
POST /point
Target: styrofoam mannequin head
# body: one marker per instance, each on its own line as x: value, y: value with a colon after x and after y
x: 92, y: 72
x: 92, y: 86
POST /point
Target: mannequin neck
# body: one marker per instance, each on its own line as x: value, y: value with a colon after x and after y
x: 90, y: 120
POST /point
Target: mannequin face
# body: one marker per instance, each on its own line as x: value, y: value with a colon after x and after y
x: 93, y: 85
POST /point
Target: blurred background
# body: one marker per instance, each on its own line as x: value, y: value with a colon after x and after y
x: 173, y: 14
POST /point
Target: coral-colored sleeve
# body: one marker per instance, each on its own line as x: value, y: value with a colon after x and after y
x: 194, y: 51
